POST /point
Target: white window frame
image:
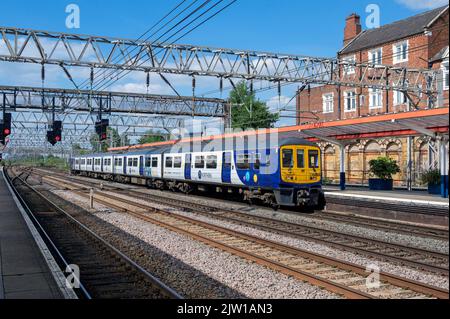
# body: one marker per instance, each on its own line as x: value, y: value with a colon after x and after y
x: 379, y: 94
x: 398, y: 56
x: 327, y: 98
x: 403, y: 100
x: 349, y: 69
x: 346, y: 100
x: 379, y: 56
x: 445, y: 73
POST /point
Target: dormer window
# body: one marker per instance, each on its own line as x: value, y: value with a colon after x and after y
x: 400, y: 51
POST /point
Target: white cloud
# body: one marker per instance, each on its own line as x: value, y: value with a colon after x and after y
x: 423, y: 4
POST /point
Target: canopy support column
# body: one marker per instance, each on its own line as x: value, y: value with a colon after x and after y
x: 443, y: 162
x: 342, y: 177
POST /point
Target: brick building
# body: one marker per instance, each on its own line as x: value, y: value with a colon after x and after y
x: 420, y: 41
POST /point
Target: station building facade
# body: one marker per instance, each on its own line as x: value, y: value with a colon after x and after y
x: 421, y: 41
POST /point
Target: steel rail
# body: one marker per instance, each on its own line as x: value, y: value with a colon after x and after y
x: 131, y: 207
x: 158, y: 283
x: 350, y: 242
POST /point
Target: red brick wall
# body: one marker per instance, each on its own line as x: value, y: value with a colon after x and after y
x: 421, y: 49
x: 439, y: 37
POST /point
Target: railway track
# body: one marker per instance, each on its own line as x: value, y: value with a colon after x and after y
x: 386, y: 225
x: 376, y: 224
x: 106, y: 272
x: 343, y: 278
x: 404, y: 255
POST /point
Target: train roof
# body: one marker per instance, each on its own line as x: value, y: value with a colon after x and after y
x: 218, y: 145
x: 213, y: 145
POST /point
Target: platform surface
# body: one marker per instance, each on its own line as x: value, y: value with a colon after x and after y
x: 24, y: 274
x: 401, y: 196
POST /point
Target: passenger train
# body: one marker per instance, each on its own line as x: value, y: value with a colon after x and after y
x: 287, y: 174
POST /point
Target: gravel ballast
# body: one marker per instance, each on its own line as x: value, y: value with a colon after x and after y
x: 245, y: 278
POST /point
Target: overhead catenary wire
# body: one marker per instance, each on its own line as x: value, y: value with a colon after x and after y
x: 185, y: 34
x: 159, y: 39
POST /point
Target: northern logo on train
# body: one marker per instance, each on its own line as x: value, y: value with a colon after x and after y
x: 199, y: 174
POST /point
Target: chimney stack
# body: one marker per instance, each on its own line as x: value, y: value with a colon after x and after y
x: 352, y: 28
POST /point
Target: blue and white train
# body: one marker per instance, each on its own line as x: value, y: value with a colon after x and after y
x: 288, y: 174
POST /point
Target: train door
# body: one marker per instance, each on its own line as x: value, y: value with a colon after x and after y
x: 187, y: 167
x: 141, y: 165
x: 125, y: 165
x: 226, y: 167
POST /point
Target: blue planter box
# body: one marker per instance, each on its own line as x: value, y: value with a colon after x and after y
x: 377, y: 184
x: 434, y: 189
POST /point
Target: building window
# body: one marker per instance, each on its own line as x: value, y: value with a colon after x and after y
x: 375, y: 98
x: 328, y: 103
x: 399, y: 98
x: 445, y: 75
x: 349, y: 67
x: 350, y: 101
x: 376, y: 56
x: 401, y: 52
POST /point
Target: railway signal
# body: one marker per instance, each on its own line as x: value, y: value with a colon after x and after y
x: 101, y: 128
x: 5, y: 127
x: 55, y: 134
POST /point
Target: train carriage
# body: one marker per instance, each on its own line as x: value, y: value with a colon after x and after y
x: 286, y: 174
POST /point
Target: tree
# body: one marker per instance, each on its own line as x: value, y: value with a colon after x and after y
x: 151, y: 137
x: 78, y: 150
x: 249, y: 112
x: 114, y: 140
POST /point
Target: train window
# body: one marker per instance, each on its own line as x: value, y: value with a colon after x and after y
x: 243, y: 161
x: 288, y: 158
x: 135, y: 162
x: 200, y: 162
x: 116, y: 162
x: 313, y: 159
x: 177, y: 162
x: 169, y: 162
x: 257, y: 161
x: 148, y: 162
x: 211, y: 162
x: 121, y: 161
x: 130, y: 162
x: 300, y: 158
x: 154, y: 162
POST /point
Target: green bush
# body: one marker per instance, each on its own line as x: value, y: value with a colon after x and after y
x: 431, y: 177
x: 384, y: 168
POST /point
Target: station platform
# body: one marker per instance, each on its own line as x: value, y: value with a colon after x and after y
x: 27, y: 269
x: 396, y: 196
x: 416, y: 206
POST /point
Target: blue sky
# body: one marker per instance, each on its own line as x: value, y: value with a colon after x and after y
x: 291, y: 26
x: 285, y: 26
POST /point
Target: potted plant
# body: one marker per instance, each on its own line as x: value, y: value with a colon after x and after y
x: 383, y: 168
x: 432, y: 178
